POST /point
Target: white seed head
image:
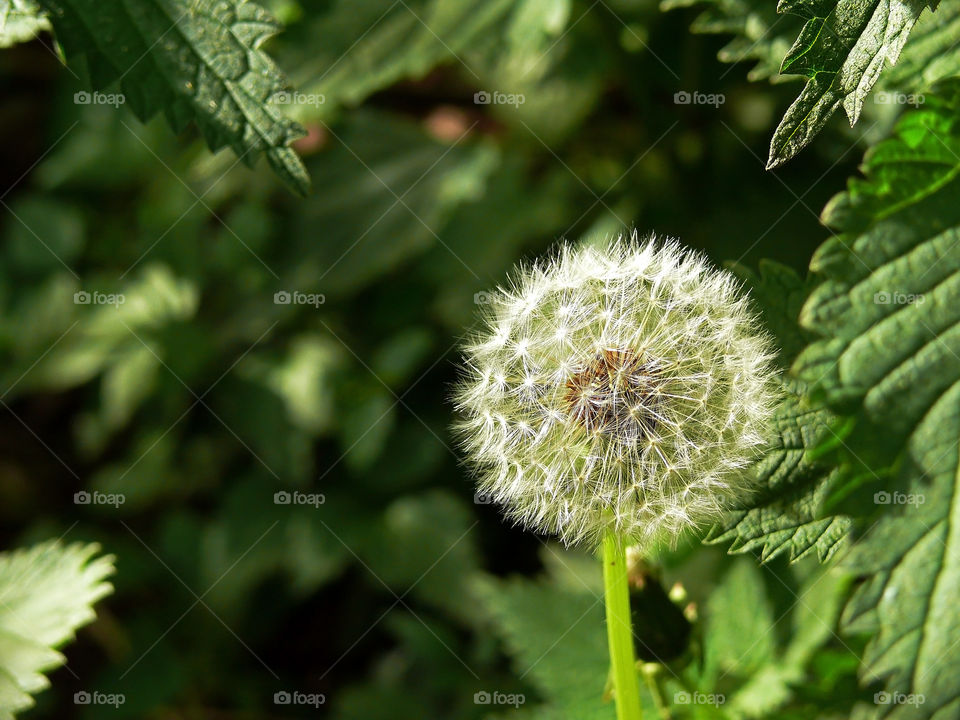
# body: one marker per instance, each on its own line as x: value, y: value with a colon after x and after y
x: 624, y: 388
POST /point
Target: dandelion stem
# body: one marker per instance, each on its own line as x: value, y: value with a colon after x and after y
x: 619, y: 634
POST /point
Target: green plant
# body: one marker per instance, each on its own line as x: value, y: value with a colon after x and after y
x: 253, y: 384
x: 46, y: 593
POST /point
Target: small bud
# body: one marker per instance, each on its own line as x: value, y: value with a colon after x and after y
x: 651, y: 669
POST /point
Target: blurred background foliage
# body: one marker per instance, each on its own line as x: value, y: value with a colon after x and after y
x: 200, y: 397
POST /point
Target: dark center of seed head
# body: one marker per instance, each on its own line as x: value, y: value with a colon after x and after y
x: 615, y: 395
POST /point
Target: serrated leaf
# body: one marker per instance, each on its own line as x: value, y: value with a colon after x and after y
x: 46, y: 593
x: 785, y: 518
x: 20, y: 21
x: 785, y: 515
x: 195, y: 60
x: 841, y: 49
x: 556, y: 637
x: 890, y: 305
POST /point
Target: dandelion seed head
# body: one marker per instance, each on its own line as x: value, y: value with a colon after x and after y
x: 624, y: 387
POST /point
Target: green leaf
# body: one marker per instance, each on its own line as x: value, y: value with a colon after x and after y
x: 889, y: 304
x: 738, y: 638
x: 556, y: 638
x: 106, y: 334
x: 46, y: 593
x: 759, y: 33
x: 384, y: 191
x: 759, y: 645
x: 931, y: 55
x: 196, y: 60
x: 786, y: 517
x: 841, y: 49
x: 361, y: 46
x: 20, y: 21
x: 741, y: 637
x: 780, y: 293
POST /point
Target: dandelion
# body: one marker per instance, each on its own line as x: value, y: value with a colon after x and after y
x: 616, y: 395
x: 623, y: 388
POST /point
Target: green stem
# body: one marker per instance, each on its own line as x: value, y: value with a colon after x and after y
x: 619, y: 635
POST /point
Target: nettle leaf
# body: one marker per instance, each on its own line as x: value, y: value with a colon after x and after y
x: 557, y: 640
x: 46, y: 593
x: 786, y: 517
x: 196, y: 60
x: 760, y: 34
x: 842, y: 49
x: 20, y: 21
x: 889, y: 304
